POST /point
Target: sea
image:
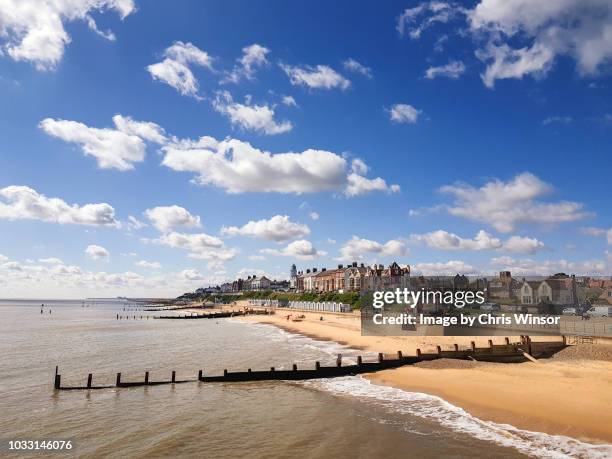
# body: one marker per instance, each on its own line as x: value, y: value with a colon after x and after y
x: 346, y: 417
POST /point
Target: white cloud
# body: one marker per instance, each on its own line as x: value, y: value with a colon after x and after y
x: 258, y: 118
x: 313, y: 216
x: 24, y: 203
x: 609, y: 236
x: 96, y: 252
x: 443, y: 240
x: 238, y: 167
x: 453, y: 70
x: 117, y: 148
x: 256, y: 257
x: 253, y: 56
x: 357, y: 248
x: 416, y: 20
x: 548, y: 267
x: 592, y: 231
x: 148, y: 264
x: 301, y: 249
x: 404, y: 113
x: 48, y: 261
x: 358, y: 185
x: 133, y: 224
x: 448, y: 268
x: 3, y: 258
x: 319, y: 77
x: 289, y: 101
x: 174, y: 70
x: 166, y: 218
x: 200, y: 246
x: 278, y: 228
x: 579, y: 29
x: 504, y: 205
x: 353, y: 66
x: 33, y: 30
x: 557, y: 119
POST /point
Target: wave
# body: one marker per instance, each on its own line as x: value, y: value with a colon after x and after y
x: 436, y: 409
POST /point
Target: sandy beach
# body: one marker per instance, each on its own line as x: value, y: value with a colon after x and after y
x: 566, y: 395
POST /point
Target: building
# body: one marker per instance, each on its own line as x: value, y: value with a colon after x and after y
x: 354, y: 278
x: 260, y: 283
x: 554, y: 290
x: 330, y: 280
x: 503, y: 287
x: 293, y: 275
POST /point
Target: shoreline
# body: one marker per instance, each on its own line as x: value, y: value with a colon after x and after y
x: 548, y: 396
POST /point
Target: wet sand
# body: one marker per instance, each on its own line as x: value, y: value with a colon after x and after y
x: 570, y: 396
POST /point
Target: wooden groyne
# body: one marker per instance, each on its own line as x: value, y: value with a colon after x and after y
x: 210, y: 315
x: 509, y: 352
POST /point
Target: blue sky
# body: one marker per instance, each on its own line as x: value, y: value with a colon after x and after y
x: 454, y: 137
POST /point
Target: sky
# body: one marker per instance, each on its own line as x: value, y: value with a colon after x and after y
x: 151, y: 148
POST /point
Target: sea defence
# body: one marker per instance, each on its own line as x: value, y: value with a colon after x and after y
x: 509, y: 352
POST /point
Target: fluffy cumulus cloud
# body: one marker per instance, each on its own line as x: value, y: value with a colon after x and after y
x: 594, y: 231
x: 404, y: 114
x: 447, y: 268
x: 504, y: 205
x: 96, y: 252
x: 24, y: 203
x: 250, y: 117
x: 289, y: 101
x: 529, y: 266
x: 33, y: 30
x: 443, y: 240
x: 58, y: 280
x: 253, y: 57
x: 278, y: 228
x: 319, y: 77
x: 175, y: 69
x: 114, y: 148
x: 166, y: 218
x: 352, y: 65
x: 200, y: 246
x: 300, y: 249
x: 453, y: 70
x: 358, y: 249
x: 238, y: 167
x: 518, y: 38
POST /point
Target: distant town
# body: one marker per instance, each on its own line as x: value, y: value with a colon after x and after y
x: 357, y: 279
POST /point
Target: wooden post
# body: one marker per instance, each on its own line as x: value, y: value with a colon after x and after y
x: 439, y: 349
x: 473, y: 346
x: 294, y: 367
x: 117, y: 316
x: 507, y: 340
x: 359, y: 360
x: 271, y: 368
x: 146, y: 381
x: 456, y: 347
x: 58, y: 382
x: 89, y: 377
x: 418, y: 353
x: 249, y: 370
x: 173, y: 376
x: 490, y: 343
x: 380, y: 357
x: 317, y: 365
x: 118, y: 383
x: 399, y: 355
x: 339, y: 360
x: 200, y: 375
x: 224, y: 372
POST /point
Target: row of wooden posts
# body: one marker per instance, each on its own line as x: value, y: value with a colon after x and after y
x: 508, y: 352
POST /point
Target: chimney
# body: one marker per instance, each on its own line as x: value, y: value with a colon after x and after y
x: 314, y: 270
x: 340, y: 266
x: 362, y: 265
x: 308, y: 271
x: 354, y: 264
x: 323, y: 270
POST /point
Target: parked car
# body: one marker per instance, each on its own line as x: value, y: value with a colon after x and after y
x: 569, y: 311
x: 600, y: 311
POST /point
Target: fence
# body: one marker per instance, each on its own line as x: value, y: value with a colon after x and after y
x: 264, y: 303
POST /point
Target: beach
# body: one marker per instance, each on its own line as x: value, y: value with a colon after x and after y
x: 566, y: 395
